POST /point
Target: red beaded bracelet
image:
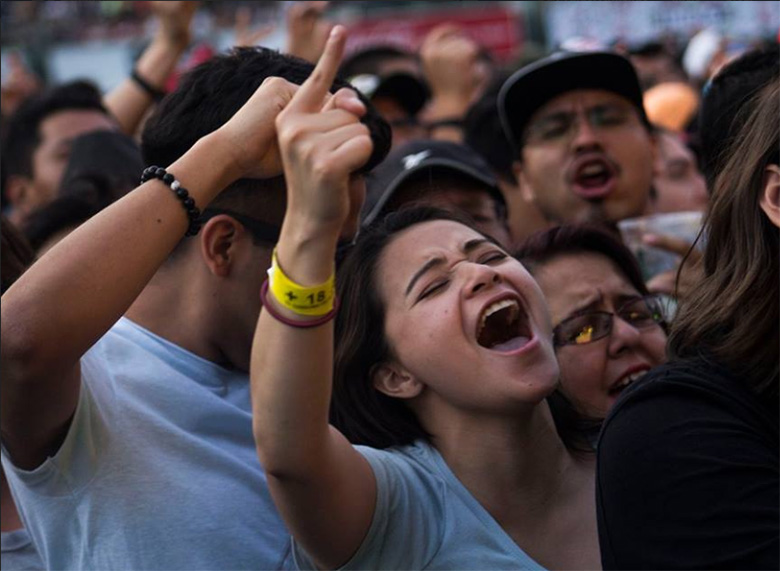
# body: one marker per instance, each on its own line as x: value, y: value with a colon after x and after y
x: 293, y: 322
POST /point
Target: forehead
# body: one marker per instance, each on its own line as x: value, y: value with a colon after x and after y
x: 672, y: 146
x: 71, y: 123
x: 584, y: 98
x: 568, y: 279
x: 411, y: 248
x: 422, y: 241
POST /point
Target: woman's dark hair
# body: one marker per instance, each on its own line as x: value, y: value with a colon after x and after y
x: 362, y: 413
x: 545, y: 245
x: 725, y: 95
x: 733, y: 314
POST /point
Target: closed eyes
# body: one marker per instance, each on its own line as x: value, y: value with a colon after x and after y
x: 487, y: 258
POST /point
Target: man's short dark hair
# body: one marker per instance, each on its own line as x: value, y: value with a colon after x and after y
x: 209, y: 95
x: 22, y: 134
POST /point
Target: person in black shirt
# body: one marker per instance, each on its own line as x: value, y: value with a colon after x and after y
x: 688, y: 468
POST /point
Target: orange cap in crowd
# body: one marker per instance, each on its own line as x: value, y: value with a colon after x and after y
x: 671, y: 105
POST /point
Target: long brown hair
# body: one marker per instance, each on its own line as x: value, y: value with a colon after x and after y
x: 733, y: 314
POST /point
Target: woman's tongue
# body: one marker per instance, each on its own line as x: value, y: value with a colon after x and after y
x: 511, y: 344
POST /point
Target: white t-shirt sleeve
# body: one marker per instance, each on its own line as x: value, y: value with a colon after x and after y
x: 408, y: 523
x: 77, y: 460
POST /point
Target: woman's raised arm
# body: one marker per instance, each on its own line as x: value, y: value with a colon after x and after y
x: 322, y: 486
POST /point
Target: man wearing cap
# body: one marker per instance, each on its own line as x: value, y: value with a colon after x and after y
x: 390, y: 78
x: 438, y: 173
x: 584, y: 150
x: 398, y: 97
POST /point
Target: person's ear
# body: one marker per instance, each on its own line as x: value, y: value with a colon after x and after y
x: 659, y: 161
x: 19, y: 192
x: 770, y: 197
x: 526, y: 191
x: 218, y: 243
x: 395, y: 381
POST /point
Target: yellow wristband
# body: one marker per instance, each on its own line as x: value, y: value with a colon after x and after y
x: 313, y: 301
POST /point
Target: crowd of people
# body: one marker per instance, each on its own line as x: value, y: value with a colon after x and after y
x: 373, y: 310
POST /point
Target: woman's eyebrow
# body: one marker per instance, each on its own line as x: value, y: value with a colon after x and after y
x: 467, y: 248
x: 433, y: 262
x: 589, y: 305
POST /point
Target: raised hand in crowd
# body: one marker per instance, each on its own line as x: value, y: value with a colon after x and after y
x: 321, y: 146
x: 175, y: 18
x: 245, y: 35
x: 131, y: 99
x: 18, y: 86
x: 455, y: 73
x: 307, y: 29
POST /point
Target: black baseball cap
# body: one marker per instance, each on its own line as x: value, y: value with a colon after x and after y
x: 420, y: 156
x: 409, y: 91
x: 532, y: 86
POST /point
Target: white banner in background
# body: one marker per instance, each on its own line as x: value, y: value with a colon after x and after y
x: 641, y: 21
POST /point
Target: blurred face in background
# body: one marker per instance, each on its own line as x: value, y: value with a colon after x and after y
x: 678, y: 182
x: 405, y: 126
x: 50, y: 158
x: 656, y: 68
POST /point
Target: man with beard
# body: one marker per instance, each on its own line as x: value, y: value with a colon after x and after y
x: 583, y: 147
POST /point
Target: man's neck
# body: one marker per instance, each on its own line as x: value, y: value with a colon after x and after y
x: 177, y: 315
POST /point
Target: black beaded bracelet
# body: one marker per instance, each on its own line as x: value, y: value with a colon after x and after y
x: 193, y: 213
x: 155, y: 93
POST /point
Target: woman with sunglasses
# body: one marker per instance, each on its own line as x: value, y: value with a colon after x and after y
x: 443, y: 361
x: 688, y: 466
x: 609, y: 330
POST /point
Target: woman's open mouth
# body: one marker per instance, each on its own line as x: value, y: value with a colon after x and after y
x: 503, y: 326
